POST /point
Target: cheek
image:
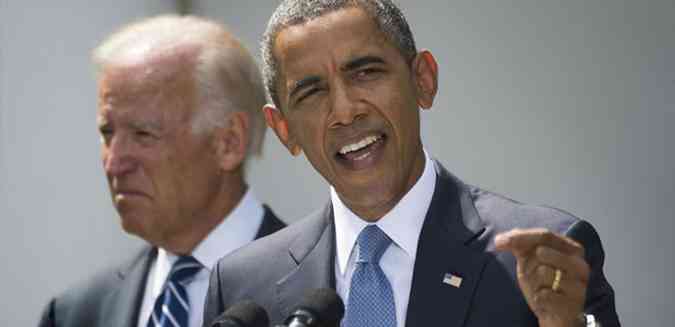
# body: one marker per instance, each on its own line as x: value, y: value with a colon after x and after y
x: 310, y: 135
x: 402, y: 111
x: 307, y: 131
x: 193, y: 167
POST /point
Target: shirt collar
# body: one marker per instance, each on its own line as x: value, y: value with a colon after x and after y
x: 402, y: 224
x: 236, y: 230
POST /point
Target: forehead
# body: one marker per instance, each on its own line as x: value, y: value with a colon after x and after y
x: 334, y: 37
x: 155, y: 83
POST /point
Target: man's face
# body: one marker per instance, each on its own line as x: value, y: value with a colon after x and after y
x: 350, y: 101
x: 161, y: 175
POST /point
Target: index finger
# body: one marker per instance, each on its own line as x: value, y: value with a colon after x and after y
x: 522, y: 241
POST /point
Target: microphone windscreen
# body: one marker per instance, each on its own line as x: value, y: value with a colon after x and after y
x: 325, y: 304
x: 244, y: 314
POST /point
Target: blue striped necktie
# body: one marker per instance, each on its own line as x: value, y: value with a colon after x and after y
x: 172, y: 306
x: 371, y: 300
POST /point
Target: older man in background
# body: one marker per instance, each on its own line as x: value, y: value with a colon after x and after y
x: 179, y: 103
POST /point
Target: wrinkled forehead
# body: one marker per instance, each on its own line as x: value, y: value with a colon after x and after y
x: 326, y: 42
x: 337, y: 26
x: 138, y: 77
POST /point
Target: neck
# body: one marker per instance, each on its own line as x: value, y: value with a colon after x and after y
x: 201, y: 224
x: 372, y: 213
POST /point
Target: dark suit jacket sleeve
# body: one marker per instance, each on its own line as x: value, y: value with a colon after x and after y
x: 599, y: 295
x: 47, y: 319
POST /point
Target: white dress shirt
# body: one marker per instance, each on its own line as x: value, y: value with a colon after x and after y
x: 403, y: 224
x: 236, y: 230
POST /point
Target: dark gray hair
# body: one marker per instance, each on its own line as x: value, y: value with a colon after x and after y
x: 387, y: 16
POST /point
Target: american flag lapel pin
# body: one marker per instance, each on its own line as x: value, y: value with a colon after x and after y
x: 452, y: 280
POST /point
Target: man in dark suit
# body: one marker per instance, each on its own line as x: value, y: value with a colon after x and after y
x: 403, y: 242
x: 178, y: 114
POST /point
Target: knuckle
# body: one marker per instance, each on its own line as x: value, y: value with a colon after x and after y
x: 581, y: 250
x: 576, y: 247
x: 544, y: 296
x: 542, y: 272
x: 540, y: 232
x: 548, y: 236
x: 540, y: 252
x: 544, y: 253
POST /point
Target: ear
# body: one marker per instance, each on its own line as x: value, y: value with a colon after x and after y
x: 232, y: 141
x: 277, y: 122
x: 425, y: 75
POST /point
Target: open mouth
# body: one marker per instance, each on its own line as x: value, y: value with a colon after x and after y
x: 362, y: 152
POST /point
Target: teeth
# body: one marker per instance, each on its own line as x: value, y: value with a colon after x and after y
x: 359, y: 145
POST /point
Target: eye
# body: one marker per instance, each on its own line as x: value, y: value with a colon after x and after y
x: 307, y: 94
x: 106, y: 134
x: 145, y: 137
x: 367, y: 73
x: 142, y: 134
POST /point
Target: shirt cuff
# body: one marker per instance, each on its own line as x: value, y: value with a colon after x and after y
x: 590, y: 321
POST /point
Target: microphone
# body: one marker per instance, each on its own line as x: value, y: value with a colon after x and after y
x: 319, y: 308
x: 243, y: 314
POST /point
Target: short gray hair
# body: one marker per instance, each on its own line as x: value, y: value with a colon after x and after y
x: 387, y: 16
x: 220, y: 61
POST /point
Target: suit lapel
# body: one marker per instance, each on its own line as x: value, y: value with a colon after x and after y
x: 446, y: 248
x: 313, y: 252
x: 448, y: 245
x: 124, y: 303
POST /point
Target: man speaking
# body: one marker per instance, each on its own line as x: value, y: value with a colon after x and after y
x: 404, y: 242
x: 178, y: 114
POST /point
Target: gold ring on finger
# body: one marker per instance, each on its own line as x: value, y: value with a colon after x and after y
x: 556, y: 280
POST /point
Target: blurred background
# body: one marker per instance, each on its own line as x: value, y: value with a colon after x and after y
x: 568, y: 103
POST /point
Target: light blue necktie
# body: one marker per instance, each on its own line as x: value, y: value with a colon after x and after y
x: 172, y: 306
x: 371, y: 300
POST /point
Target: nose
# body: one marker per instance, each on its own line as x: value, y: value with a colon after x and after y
x: 346, y: 106
x: 117, y: 155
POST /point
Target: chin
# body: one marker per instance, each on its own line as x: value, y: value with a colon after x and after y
x: 132, y: 224
x: 380, y: 196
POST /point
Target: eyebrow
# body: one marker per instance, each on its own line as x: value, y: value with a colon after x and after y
x: 361, y: 61
x: 147, y: 125
x: 303, y: 83
x: 350, y: 65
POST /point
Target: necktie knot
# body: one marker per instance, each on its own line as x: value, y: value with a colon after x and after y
x: 184, y: 269
x: 172, y: 307
x: 372, y: 243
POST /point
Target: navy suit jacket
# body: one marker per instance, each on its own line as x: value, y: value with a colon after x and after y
x: 457, y: 237
x: 113, y: 297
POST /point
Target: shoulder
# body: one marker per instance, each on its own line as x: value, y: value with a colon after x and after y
x: 82, y: 303
x: 265, y: 261
x: 495, y: 213
x: 270, y: 248
x: 500, y: 213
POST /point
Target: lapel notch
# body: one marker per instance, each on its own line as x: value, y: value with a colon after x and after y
x: 313, y: 252
x: 125, y: 301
